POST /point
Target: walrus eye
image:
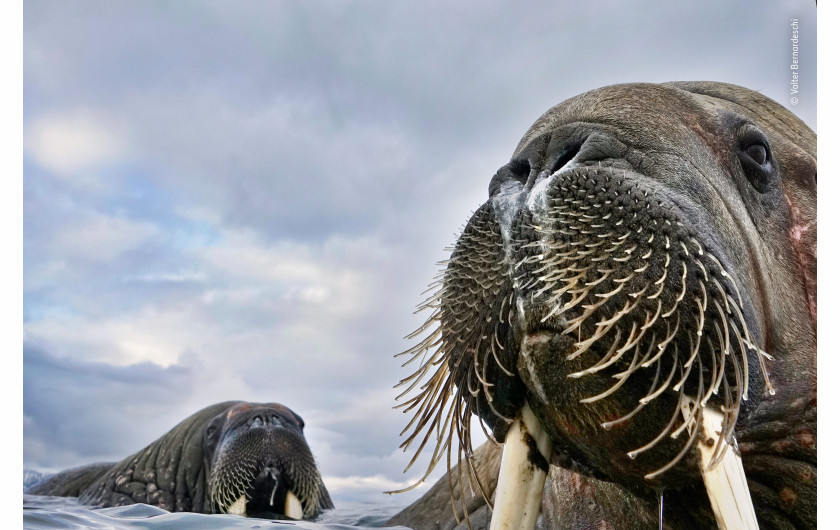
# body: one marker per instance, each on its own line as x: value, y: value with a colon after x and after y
x: 756, y: 158
x: 758, y: 153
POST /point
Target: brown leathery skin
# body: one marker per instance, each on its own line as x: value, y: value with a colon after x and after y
x: 645, y: 242
x: 571, y: 501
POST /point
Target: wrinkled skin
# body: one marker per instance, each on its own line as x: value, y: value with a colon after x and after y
x: 206, y: 462
x: 570, y: 501
x: 646, y: 243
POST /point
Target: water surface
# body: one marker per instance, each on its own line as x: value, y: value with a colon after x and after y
x: 65, y: 512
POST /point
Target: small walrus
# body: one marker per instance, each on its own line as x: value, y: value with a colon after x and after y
x: 234, y: 457
x: 645, y: 260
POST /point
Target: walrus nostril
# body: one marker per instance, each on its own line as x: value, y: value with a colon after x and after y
x: 256, y: 423
x: 567, y: 155
x: 517, y: 171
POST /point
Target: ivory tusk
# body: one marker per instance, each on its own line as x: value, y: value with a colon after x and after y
x: 522, y: 474
x: 238, y: 506
x: 726, y: 483
x: 293, y: 508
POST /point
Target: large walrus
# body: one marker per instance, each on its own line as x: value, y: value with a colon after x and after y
x: 233, y: 457
x: 645, y: 259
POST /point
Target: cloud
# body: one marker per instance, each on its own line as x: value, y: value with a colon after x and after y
x: 74, y: 145
x: 100, y: 238
x: 80, y: 412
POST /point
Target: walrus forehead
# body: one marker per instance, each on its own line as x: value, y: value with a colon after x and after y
x: 248, y: 407
x: 644, y: 113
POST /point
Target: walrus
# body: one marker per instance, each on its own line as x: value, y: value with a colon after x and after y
x: 647, y: 254
x: 248, y: 459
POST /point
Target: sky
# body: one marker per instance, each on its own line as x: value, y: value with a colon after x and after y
x: 245, y: 199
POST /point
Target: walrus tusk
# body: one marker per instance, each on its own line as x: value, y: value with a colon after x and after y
x: 293, y: 509
x: 726, y: 482
x: 237, y: 507
x: 522, y: 474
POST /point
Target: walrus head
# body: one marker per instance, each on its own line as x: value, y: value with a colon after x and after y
x: 259, y: 464
x: 645, y: 247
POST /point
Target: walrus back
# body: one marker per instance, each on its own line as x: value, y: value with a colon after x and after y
x: 72, y: 482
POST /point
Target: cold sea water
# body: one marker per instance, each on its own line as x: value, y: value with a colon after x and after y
x: 57, y: 512
x: 65, y: 512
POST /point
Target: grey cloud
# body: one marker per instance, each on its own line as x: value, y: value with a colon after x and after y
x: 78, y: 412
x: 302, y: 120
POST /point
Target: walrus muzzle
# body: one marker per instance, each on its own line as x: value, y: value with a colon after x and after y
x: 261, y: 465
x: 624, y: 265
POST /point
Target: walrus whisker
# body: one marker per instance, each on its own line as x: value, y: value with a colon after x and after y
x: 496, y: 356
x: 626, y: 258
x: 609, y: 360
x: 726, y: 427
x: 689, y: 364
x: 429, y: 322
x: 430, y: 389
x: 604, y: 275
x: 723, y: 351
x: 427, y: 409
x: 713, y: 373
x: 734, y: 287
x: 679, y: 456
x: 745, y: 366
x: 643, y: 268
x: 273, y: 492
x: 725, y: 321
x: 612, y: 348
x: 644, y: 359
x: 433, y: 461
x: 639, y: 293
x: 668, y: 338
x: 577, y: 323
x: 650, y: 321
x: 451, y: 487
x: 603, y: 328
x: 650, y: 397
x: 680, y: 296
x: 705, y: 297
x: 636, y: 452
x: 739, y: 383
x: 695, y: 411
x: 416, y: 377
x: 625, y: 279
x: 617, y: 385
x: 664, y: 270
x: 609, y: 424
x: 702, y: 269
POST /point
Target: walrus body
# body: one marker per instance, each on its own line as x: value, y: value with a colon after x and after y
x: 232, y: 457
x: 646, y: 245
x: 570, y: 501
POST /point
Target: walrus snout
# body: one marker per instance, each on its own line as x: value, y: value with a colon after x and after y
x: 261, y: 464
x: 624, y: 306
